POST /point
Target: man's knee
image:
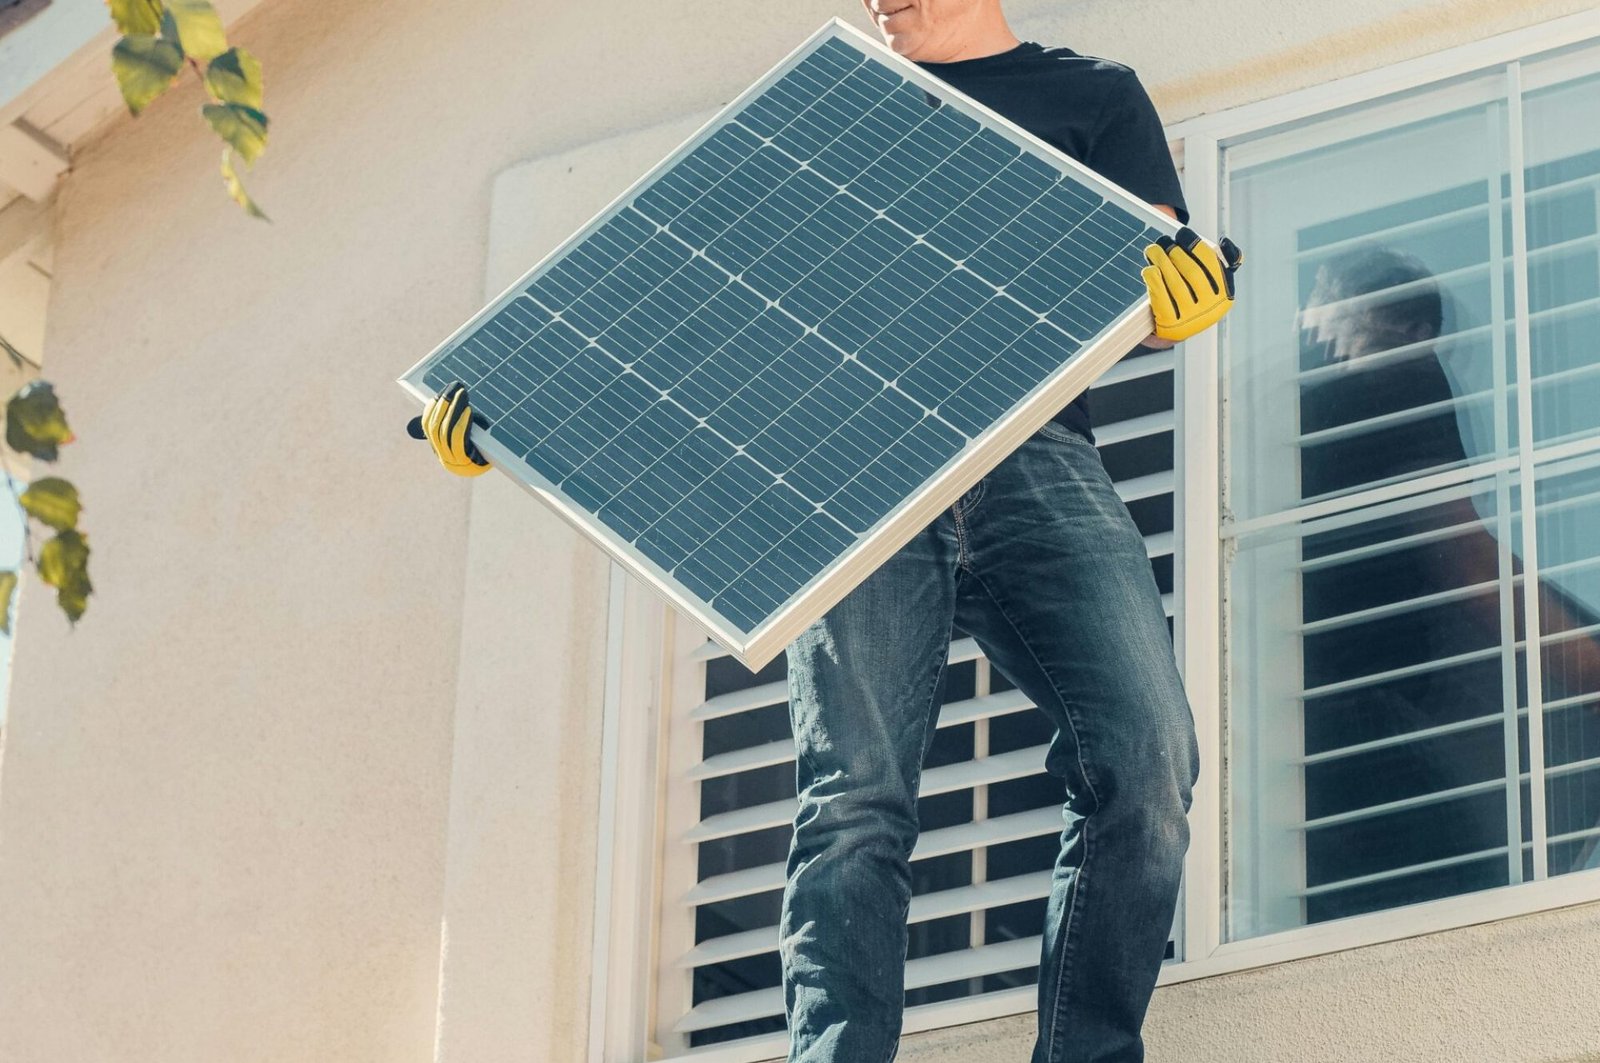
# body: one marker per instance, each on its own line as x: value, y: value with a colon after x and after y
x: 1144, y: 781
x: 865, y: 811
x: 1157, y: 790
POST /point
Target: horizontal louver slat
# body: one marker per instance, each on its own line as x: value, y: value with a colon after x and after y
x: 945, y: 840
x: 923, y: 908
x: 775, y: 693
x: 1150, y: 424
x: 1440, y: 664
x: 782, y: 751
x: 1355, y: 815
x: 1144, y: 365
x: 927, y: 971
x: 960, y: 776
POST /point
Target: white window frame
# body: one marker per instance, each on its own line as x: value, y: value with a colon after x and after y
x: 1203, y: 554
x: 640, y: 796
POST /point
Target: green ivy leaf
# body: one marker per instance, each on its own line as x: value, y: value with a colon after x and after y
x: 244, y: 128
x: 198, y: 28
x: 169, y: 31
x: 35, y: 423
x: 64, y: 564
x: 144, y: 66
x: 52, y: 501
x: 235, y: 77
x: 136, y: 16
x: 8, y: 590
x: 230, y: 176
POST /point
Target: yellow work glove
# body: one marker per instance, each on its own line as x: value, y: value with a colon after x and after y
x: 1190, y: 288
x: 444, y: 424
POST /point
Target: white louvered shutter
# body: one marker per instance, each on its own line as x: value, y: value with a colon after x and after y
x: 991, y: 818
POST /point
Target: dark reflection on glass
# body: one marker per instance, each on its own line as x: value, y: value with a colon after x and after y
x: 1375, y: 400
x: 1569, y: 568
x: 1403, y: 627
x: 1563, y: 221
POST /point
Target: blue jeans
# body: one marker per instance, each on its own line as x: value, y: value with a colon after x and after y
x: 1042, y: 564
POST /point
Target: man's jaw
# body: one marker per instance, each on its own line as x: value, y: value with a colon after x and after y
x: 892, y: 16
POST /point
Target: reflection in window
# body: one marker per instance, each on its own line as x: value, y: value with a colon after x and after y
x: 1380, y: 684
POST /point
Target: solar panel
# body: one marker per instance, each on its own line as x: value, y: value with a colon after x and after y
x: 788, y: 347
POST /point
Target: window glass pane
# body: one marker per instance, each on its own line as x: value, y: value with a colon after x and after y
x: 1371, y: 342
x: 1391, y: 739
x: 1568, y: 496
x: 1372, y: 741
x: 1561, y: 144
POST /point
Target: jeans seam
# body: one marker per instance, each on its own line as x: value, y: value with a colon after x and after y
x: 941, y: 658
x: 970, y: 505
x: 962, y: 560
x: 1067, y: 926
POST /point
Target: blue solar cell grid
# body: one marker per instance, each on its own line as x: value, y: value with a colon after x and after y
x: 784, y: 335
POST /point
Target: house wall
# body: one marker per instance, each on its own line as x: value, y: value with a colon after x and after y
x: 324, y: 721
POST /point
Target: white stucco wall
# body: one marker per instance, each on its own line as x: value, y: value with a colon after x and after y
x: 323, y: 704
x: 1517, y: 991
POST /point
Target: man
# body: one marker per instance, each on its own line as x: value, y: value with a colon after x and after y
x: 1042, y: 564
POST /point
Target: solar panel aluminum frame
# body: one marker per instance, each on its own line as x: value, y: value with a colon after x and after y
x: 759, y: 646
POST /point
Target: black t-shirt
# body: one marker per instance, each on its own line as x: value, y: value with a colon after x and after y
x: 1094, y: 110
x: 1407, y: 445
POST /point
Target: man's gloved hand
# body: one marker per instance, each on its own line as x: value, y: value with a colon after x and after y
x: 1190, y: 288
x: 444, y: 423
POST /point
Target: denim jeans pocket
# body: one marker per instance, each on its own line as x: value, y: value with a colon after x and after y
x: 1062, y: 434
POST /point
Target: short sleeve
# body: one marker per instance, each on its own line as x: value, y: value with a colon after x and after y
x: 1129, y: 147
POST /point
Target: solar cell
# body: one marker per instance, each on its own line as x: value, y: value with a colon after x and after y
x: 783, y: 351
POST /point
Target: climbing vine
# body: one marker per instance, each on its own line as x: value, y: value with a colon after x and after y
x: 161, y: 38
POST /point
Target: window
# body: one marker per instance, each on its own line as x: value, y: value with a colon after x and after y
x: 1400, y: 429
x: 1413, y: 445
x: 991, y: 818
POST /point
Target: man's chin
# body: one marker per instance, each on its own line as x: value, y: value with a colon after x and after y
x: 904, y: 44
